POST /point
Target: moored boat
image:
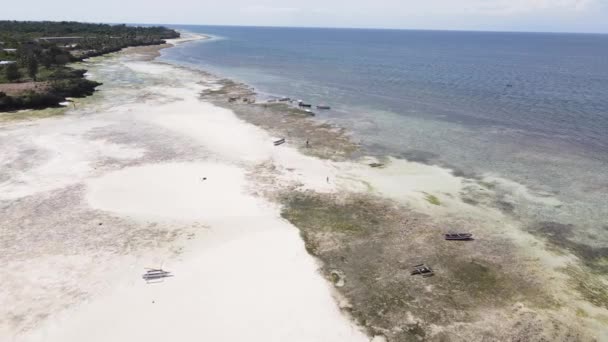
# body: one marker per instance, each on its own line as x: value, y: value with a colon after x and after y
x: 459, y: 236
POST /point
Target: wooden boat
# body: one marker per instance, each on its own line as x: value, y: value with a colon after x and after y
x: 156, y: 274
x: 423, y: 270
x: 323, y: 107
x: 459, y: 236
x: 305, y: 105
x: 279, y: 142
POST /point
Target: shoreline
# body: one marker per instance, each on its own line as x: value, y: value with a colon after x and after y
x: 521, y: 244
x: 140, y: 175
x: 79, y: 87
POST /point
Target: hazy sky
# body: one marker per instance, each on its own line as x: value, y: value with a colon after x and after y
x: 510, y: 15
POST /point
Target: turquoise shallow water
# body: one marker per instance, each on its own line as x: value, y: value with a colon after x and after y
x: 528, y: 107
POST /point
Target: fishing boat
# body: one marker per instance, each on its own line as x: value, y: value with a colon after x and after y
x: 279, y: 142
x: 459, y: 236
x: 156, y: 274
x: 303, y: 104
x: 323, y: 107
x: 422, y: 269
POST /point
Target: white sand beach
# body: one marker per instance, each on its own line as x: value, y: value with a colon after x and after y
x: 240, y: 271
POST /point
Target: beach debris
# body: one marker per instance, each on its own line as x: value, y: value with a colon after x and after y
x: 338, y: 277
x: 279, y: 142
x: 422, y: 269
x: 459, y: 236
x: 376, y: 165
x: 203, y: 179
x: 154, y: 275
x: 323, y: 107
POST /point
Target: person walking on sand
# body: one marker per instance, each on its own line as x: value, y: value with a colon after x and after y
x: 307, y: 144
x: 327, y: 179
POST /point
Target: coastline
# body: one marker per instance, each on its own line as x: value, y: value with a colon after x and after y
x: 60, y: 82
x: 151, y: 151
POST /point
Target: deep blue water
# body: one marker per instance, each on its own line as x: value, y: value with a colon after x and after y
x: 530, y: 107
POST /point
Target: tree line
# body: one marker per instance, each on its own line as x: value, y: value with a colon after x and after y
x: 42, y: 59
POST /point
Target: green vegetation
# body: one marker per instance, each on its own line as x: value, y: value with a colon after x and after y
x: 12, y: 72
x: 41, y: 51
x: 433, y: 199
x: 29, y: 99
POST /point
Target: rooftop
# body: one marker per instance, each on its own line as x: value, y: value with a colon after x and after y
x: 59, y: 38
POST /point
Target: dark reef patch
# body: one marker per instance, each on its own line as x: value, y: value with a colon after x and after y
x: 418, y: 156
x: 284, y: 120
x: 375, y: 242
x: 562, y: 236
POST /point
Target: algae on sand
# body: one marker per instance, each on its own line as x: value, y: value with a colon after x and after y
x: 590, y: 285
x: 432, y: 199
x: 32, y: 114
x: 375, y: 242
x: 306, y: 210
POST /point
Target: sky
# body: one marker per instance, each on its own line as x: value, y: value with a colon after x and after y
x: 485, y: 15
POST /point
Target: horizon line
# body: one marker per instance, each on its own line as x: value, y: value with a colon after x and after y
x: 330, y: 27
x: 376, y: 28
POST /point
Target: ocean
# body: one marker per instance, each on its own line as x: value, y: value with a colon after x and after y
x: 529, y: 109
